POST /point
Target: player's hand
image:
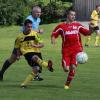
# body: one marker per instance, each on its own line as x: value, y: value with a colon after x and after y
x: 53, y: 41
x: 40, y: 45
x: 91, y: 28
x: 41, y: 31
x: 33, y: 45
x: 91, y: 25
x: 98, y: 20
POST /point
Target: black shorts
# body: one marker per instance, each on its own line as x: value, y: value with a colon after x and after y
x: 29, y: 56
x: 96, y: 28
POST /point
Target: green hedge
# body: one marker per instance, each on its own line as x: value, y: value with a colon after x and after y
x: 15, y: 12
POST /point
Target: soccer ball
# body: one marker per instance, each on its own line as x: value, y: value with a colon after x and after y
x: 82, y: 57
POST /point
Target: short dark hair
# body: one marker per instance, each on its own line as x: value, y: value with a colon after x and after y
x: 69, y: 10
x: 97, y: 5
x: 27, y: 21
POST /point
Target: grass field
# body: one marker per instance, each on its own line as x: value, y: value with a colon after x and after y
x: 85, y: 86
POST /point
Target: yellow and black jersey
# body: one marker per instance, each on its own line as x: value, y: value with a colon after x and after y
x: 24, y: 42
x: 94, y: 17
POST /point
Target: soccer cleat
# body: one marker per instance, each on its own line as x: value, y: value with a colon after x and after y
x: 1, y: 76
x: 37, y: 78
x: 66, y: 87
x: 96, y: 45
x: 23, y: 86
x: 50, y: 64
x: 86, y: 45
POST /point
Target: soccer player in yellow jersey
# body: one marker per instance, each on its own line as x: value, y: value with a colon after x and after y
x: 35, y: 18
x: 29, y: 44
x: 95, y: 19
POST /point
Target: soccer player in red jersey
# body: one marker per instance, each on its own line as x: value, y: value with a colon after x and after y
x: 71, y: 43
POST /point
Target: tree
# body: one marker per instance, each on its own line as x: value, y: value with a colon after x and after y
x: 66, y: 0
x: 11, y: 10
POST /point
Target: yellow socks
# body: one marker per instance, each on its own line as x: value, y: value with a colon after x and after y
x: 88, y: 41
x: 28, y: 79
x: 96, y: 41
x: 42, y: 63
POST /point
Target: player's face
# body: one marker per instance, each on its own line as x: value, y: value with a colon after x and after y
x: 98, y: 8
x: 36, y: 13
x: 71, y: 16
x: 28, y: 28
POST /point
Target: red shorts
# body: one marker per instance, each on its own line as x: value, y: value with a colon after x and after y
x: 69, y: 58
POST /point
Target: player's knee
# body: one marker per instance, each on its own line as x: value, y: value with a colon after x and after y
x: 35, y: 58
x: 35, y: 70
x: 73, y: 67
x: 66, y: 68
x: 39, y: 69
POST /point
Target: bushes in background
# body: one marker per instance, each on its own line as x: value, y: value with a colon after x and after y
x: 15, y: 12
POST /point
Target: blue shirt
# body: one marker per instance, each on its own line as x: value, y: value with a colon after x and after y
x: 35, y: 22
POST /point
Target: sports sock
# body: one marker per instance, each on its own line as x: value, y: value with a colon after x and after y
x: 42, y: 63
x: 5, y: 66
x: 70, y: 77
x: 96, y: 41
x: 88, y: 40
x: 28, y: 79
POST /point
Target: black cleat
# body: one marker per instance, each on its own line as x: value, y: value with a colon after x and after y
x: 50, y: 64
x: 1, y: 76
x: 38, y: 78
x: 86, y: 45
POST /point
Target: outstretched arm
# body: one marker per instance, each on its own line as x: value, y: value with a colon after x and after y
x: 18, y: 53
x: 40, y: 31
x: 53, y: 40
x: 86, y: 31
x: 56, y: 32
x: 39, y: 45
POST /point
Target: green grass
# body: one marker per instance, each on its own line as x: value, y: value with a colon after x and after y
x: 85, y: 86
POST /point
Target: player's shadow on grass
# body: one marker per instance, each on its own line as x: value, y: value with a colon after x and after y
x: 45, y: 86
x: 31, y: 86
x: 11, y: 84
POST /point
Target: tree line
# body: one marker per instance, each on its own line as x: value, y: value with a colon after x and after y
x: 15, y: 11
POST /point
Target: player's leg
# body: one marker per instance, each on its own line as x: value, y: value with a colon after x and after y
x: 70, y: 76
x: 30, y: 77
x: 7, y: 63
x: 88, y: 39
x: 96, y: 44
x: 87, y: 42
x: 38, y: 77
x: 65, y: 61
x: 72, y: 69
x: 43, y: 63
x: 66, y: 66
x: 34, y: 73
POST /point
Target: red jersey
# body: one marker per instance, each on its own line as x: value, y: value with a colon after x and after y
x: 70, y: 33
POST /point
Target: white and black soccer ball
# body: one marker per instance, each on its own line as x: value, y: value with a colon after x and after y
x: 82, y: 57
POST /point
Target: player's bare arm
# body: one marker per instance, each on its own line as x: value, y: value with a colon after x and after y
x: 39, y: 45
